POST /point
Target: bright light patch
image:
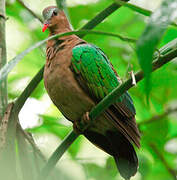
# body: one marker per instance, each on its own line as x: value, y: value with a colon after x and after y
x: 151, y: 5
x: 171, y: 146
x: 79, y: 2
x: 16, y: 39
x: 28, y: 116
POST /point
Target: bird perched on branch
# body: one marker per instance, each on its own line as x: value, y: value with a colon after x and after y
x: 77, y: 76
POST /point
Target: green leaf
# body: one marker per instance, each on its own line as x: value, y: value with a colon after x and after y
x: 134, y: 8
x: 94, y: 171
x: 158, y: 171
x: 152, y: 35
x: 138, y: 9
x: 51, y: 125
x: 61, y: 4
x: 75, y: 147
x: 11, y: 64
x: 156, y: 131
x: 25, y: 157
x: 144, y: 164
x: 110, y: 167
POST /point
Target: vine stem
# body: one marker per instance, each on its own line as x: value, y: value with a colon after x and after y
x: 3, y: 59
x: 171, y: 171
x: 68, y: 140
x: 158, y: 117
x: 102, y: 106
x: 30, y: 11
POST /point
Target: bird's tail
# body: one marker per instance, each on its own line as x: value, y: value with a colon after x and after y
x: 124, y: 155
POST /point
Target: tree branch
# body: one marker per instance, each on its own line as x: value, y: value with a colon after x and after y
x: 102, y: 15
x: 3, y: 59
x: 68, y: 140
x: 8, y: 151
x: 158, y: 117
x: 4, y: 126
x: 62, y: 5
x: 31, y: 141
x: 172, y: 172
x: 117, y: 92
x: 24, y: 156
x: 102, y: 106
x: 30, y: 11
x: 7, y: 146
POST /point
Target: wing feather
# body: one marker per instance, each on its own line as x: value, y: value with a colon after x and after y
x: 96, y: 73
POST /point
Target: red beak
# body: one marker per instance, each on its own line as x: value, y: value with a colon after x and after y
x: 45, y: 27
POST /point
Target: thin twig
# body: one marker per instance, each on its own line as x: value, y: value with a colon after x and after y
x: 4, y: 126
x: 8, y: 154
x: 31, y: 141
x: 101, y: 16
x: 62, y: 5
x: 24, y: 155
x: 158, y: 117
x: 30, y: 11
x: 171, y: 171
x: 38, y: 156
x: 133, y: 77
x: 3, y: 59
x: 4, y: 17
x: 69, y: 139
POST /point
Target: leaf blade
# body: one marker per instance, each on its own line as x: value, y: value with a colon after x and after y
x: 152, y: 35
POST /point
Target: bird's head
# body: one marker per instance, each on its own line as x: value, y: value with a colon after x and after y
x: 53, y: 17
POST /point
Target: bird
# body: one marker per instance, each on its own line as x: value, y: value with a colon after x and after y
x: 77, y: 76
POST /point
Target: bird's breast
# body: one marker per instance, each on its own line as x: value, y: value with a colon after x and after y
x: 67, y: 94
x: 63, y: 89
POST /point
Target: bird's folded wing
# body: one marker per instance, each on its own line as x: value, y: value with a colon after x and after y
x: 97, y: 77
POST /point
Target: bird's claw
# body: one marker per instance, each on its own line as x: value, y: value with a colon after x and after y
x: 85, y: 118
x: 80, y: 126
x: 76, y: 128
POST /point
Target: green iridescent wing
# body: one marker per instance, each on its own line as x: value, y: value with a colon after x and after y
x: 98, y: 74
x: 97, y: 77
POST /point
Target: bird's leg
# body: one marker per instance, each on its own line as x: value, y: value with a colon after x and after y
x: 81, y: 125
x: 85, y: 118
x: 76, y: 128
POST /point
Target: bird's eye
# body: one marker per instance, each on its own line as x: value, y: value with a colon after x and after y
x: 55, y: 12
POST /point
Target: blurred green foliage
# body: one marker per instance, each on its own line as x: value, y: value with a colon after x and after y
x: 23, y: 30
x: 151, y: 36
